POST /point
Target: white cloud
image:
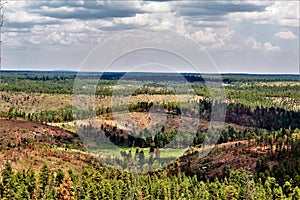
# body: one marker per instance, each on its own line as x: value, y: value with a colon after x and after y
x: 288, y: 35
x: 206, y: 36
x: 215, y: 38
x: 156, y: 7
x: 138, y: 19
x: 23, y: 17
x: 11, y: 42
x: 217, y: 26
x: 283, y: 13
x: 263, y: 47
x: 267, y: 46
x: 251, y: 42
x: 75, y: 26
x: 163, y: 21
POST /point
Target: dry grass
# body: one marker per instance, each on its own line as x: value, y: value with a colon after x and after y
x: 35, y: 103
x: 44, y: 145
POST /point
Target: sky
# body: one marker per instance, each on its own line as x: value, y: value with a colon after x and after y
x: 239, y: 36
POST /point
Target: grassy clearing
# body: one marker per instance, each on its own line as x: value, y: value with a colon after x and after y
x: 69, y: 126
x: 165, y: 154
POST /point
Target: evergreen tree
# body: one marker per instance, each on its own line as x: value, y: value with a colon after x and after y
x: 44, y: 178
x: 59, y: 177
x: 8, y: 186
x: 65, y: 191
x: 30, y: 182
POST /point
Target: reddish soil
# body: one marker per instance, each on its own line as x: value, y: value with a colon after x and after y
x: 30, y: 145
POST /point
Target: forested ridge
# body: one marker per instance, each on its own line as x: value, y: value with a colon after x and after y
x: 268, y: 118
x: 104, y: 183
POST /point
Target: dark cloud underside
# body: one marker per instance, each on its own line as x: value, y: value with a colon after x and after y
x: 216, y: 8
x: 87, y: 11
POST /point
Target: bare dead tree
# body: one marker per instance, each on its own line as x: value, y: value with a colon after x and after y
x: 1, y: 24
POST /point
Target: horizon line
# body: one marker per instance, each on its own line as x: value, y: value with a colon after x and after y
x: 75, y: 71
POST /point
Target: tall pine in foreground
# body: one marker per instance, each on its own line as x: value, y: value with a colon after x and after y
x: 7, y: 186
x: 65, y: 190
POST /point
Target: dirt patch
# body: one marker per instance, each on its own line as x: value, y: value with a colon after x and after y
x: 30, y: 145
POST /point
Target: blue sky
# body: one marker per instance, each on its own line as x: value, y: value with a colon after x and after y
x: 240, y: 36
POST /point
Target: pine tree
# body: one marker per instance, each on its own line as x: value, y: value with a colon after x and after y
x: 287, y: 188
x: 30, y: 182
x: 44, y: 178
x: 8, y: 187
x: 65, y: 191
x: 22, y: 192
x: 59, y: 177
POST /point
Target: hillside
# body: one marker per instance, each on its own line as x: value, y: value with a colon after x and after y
x: 30, y: 145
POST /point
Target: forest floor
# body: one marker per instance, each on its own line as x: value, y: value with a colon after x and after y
x: 30, y: 145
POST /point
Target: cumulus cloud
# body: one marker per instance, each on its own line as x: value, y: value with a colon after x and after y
x: 287, y: 35
x: 219, y: 26
x: 157, y: 7
x: 267, y: 46
x: 12, y: 41
x: 206, y: 36
x: 92, y: 17
x: 283, y: 13
x: 263, y: 47
x: 220, y: 39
